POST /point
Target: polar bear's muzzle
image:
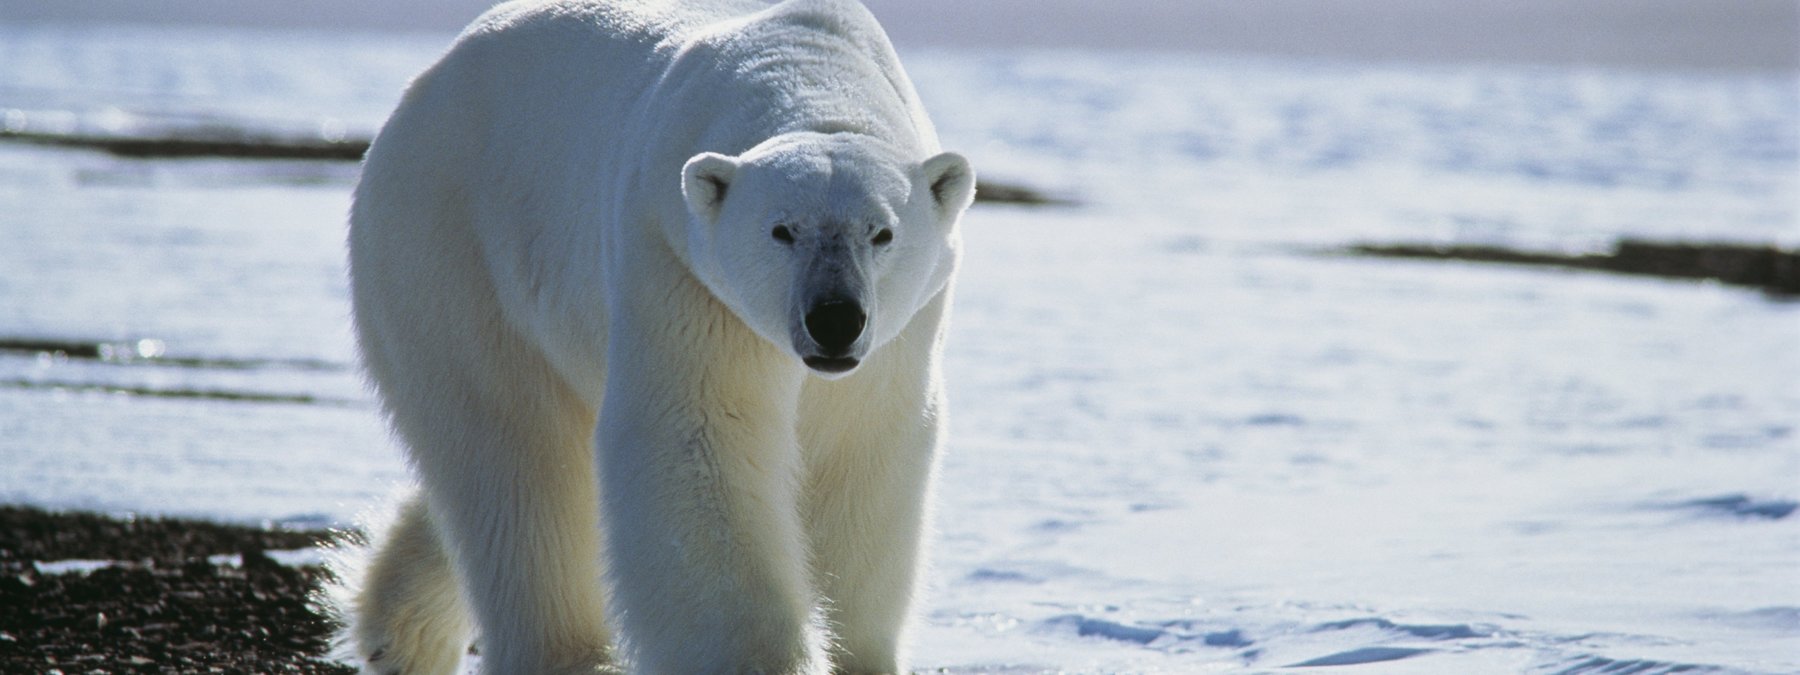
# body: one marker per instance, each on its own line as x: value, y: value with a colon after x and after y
x: 834, y: 327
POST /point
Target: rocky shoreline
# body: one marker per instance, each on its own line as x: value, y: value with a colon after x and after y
x: 82, y: 592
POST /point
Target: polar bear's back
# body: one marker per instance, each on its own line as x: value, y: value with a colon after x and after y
x: 491, y: 170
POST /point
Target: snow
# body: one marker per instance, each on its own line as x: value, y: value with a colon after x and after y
x: 1221, y: 458
x: 1185, y: 437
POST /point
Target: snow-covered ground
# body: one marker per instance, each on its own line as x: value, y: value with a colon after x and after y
x: 1184, y: 437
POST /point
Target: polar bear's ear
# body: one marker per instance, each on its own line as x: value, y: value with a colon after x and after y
x: 952, y: 183
x: 704, y: 181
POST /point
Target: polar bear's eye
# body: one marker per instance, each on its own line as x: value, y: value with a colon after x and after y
x: 883, y: 237
x: 782, y: 234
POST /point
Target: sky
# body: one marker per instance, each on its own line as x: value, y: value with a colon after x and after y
x: 1762, y: 34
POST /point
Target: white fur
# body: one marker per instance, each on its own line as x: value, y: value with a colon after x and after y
x: 571, y: 296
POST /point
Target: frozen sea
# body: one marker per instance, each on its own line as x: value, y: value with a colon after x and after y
x: 1186, y: 438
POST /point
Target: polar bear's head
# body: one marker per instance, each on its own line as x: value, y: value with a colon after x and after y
x: 825, y: 244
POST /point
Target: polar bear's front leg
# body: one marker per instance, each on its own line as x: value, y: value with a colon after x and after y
x: 871, y: 442
x: 867, y: 506
x: 699, y: 477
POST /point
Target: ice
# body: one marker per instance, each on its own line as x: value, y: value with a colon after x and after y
x: 73, y: 566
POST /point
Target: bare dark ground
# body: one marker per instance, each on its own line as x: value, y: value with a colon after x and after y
x: 161, y: 607
x: 243, y: 145
x: 1773, y: 270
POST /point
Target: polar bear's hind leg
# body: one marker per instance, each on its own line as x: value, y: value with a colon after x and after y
x: 508, y: 476
x: 502, y: 446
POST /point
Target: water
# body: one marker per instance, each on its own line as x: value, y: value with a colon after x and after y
x: 1183, y: 438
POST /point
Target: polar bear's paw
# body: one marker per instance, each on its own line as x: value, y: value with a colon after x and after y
x: 420, y: 649
x: 388, y: 661
x: 398, y: 601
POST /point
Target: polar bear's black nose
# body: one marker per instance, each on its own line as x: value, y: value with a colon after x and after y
x: 834, y: 325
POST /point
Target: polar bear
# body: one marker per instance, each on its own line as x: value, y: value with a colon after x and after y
x: 653, y: 294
